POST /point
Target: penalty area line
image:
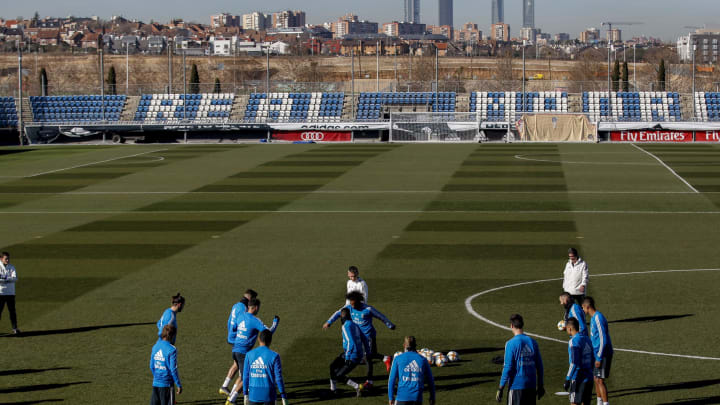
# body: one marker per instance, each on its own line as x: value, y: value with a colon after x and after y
x: 130, y: 211
x: 471, y: 310
x: 669, y: 168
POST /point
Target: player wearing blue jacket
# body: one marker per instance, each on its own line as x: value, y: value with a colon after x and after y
x: 235, y: 312
x: 602, y: 348
x: 408, y: 375
x: 523, y: 369
x: 362, y: 315
x: 248, y: 328
x: 169, y: 317
x: 573, y: 310
x: 578, y: 381
x: 262, y: 374
x: 163, y: 365
x: 355, y: 348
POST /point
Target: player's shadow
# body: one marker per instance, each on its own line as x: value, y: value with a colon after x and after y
x: 39, y: 387
x: 69, y: 331
x: 656, y: 318
x: 664, y: 387
x: 478, y: 350
x: 30, y: 371
x: 695, y: 401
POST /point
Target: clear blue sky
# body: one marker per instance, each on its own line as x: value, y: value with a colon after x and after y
x: 662, y: 18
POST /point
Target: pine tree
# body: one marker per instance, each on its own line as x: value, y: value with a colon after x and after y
x: 112, y: 81
x: 624, y: 77
x: 217, y: 89
x: 661, y: 75
x: 616, y: 76
x: 194, y: 80
x: 43, y: 82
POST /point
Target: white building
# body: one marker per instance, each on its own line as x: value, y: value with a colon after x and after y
x: 222, y: 46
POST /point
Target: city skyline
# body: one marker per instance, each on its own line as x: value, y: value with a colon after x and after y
x: 664, y: 19
x: 445, y: 12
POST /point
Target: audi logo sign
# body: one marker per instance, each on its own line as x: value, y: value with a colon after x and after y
x: 312, y: 136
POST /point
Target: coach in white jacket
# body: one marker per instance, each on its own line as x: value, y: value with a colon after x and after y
x: 8, y: 277
x: 575, y: 277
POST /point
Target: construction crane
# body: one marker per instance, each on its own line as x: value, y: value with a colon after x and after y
x: 610, y: 26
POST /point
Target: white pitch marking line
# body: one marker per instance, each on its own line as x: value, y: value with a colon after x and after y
x: 668, y: 167
x: 90, y: 164
x: 471, y: 310
x: 357, y: 192
x: 524, y: 157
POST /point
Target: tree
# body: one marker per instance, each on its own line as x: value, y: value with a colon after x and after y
x: 43, y: 82
x: 194, y: 80
x: 616, y: 76
x: 112, y: 81
x: 624, y: 77
x: 661, y: 75
x: 217, y: 89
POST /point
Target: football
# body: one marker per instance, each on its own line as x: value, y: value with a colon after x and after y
x: 561, y: 325
x: 441, y: 361
x: 453, y: 357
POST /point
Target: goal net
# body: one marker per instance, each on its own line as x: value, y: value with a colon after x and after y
x: 434, y: 127
x: 549, y: 127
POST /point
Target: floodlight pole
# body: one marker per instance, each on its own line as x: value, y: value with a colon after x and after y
x: 267, y: 72
x: 20, y: 95
x: 523, y: 78
x: 610, y: 113
x: 127, y: 70
x: 170, y: 66
x: 377, y: 66
x: 635, y: 66
x: 102, y: 83
x: 352, y: 77
x: 694, y: 48
x: 184, y: 87
x: 437, y: 77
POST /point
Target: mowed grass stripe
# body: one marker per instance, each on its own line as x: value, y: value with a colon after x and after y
x: 491, y: 226
x: 260, y: 188
x: 473, y: 252
x: 506, y: 187
x: 64, y: 289
x: 287, y: 175
x: 158, y: 226
x: 312, y: 163
x: 508, y: 174
x: 95, y: 251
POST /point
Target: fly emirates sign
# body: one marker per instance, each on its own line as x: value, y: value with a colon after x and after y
x: 651, y: 136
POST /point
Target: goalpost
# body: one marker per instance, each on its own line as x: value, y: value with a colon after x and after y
x: 554, y: 127
x: 446, y: 127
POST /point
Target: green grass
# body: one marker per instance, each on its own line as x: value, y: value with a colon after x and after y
x: 101, y: 247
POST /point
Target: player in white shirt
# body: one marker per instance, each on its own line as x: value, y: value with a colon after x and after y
x: 575, y: 276
x: 8, y: 277
x: 355, y: 283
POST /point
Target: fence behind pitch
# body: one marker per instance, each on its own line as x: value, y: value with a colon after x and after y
x: 434, y: 127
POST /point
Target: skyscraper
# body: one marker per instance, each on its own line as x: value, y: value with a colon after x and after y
x: 412, y: 11
x: 498, y: 11
x: 529, y: 13
x: 445, y: 12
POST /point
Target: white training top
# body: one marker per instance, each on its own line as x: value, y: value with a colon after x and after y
x: 360, y: 285
x: 575, y: 276
x: 8, y: 277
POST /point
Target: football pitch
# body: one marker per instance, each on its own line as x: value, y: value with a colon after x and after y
x: 452, y: 240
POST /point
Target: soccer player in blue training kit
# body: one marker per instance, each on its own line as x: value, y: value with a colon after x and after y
x: 362, y: 315
x: 573, y: 310
x: 578, y: 381
x: 262, y: 374
x: 238, y: 309
x: 355, y: 347
x: 523, y: 368
x: 169, y: 317
x: 408, y: 375
x: 163, y: 365
x: 247, y: 332
x: 602, y: 348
